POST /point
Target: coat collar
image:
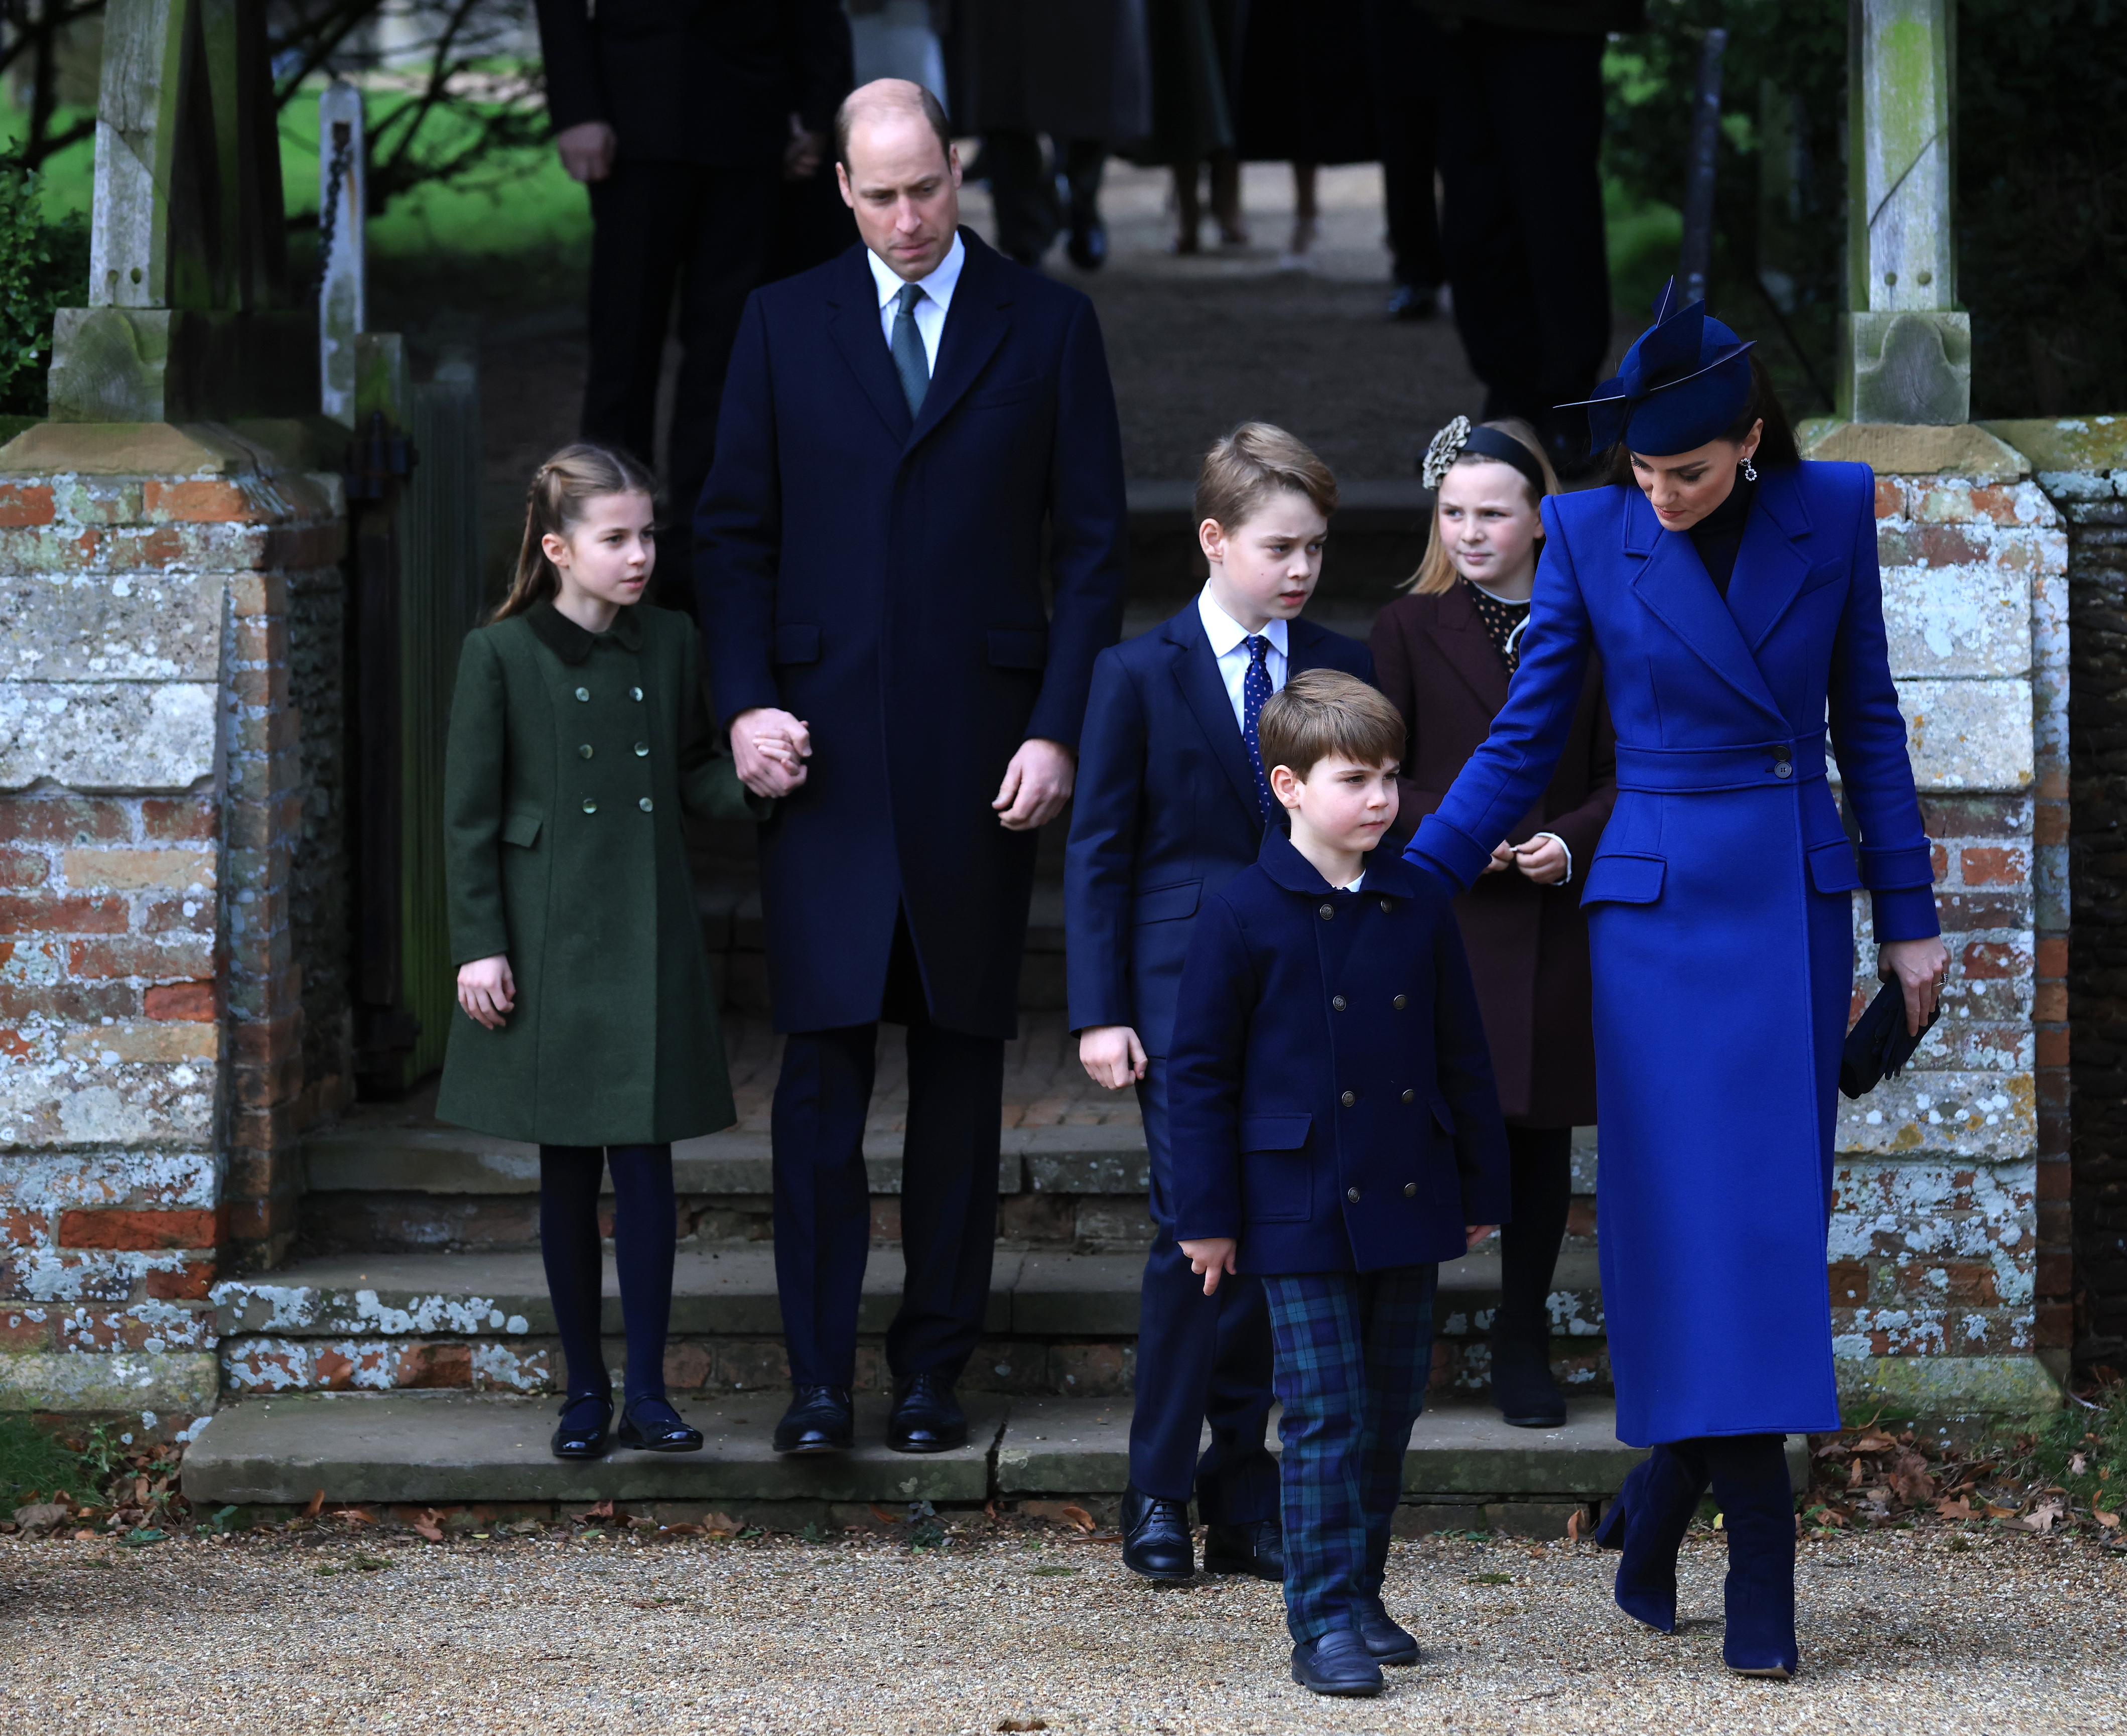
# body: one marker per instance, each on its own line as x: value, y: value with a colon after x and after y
x: 573, y: 644
x: 1386, y: 872
x: 1473, y: 657
x: 1673, y: 584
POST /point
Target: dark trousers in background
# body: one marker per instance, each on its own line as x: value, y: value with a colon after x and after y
x: 644, y: 1228
x: 662, y: 231
x: 1521, y: 127
x: 1541, y: 1166
x: 949, y: 1188
x: 1354, y: 1353
x: 1402, y: 46
x: 1200, y: 1358
x: 1023, y: 189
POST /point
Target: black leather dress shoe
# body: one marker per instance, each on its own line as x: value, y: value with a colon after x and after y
x: 581, y: 1432
x: 651, y: 1425
x: 1384, y: 1640
x: 1522, y: 1386
x: 926, y: 1418
x: 1088, y: 245
x: 1258, y: 1548
x: 1339, y: 1662
x: 819, y: 1420
x: 1156, y: 1541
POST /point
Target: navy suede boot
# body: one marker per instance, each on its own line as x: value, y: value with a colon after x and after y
x: 1749, y: 1474
x: 1647, y: 1519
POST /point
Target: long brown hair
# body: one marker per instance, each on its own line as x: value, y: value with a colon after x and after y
x: 554, y: 506
x: 1776, y: 448
x: 1436, y: 572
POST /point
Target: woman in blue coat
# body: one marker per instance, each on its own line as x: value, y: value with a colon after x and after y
x: 1732, y: 594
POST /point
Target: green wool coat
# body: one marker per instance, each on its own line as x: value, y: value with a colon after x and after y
x: 572, y: 758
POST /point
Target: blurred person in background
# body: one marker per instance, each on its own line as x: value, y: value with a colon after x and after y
x: 1304, y: 97
x: 1402, y: 48
x: 1194, y: 55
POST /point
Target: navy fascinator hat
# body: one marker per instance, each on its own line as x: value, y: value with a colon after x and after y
x: 1684, y: 382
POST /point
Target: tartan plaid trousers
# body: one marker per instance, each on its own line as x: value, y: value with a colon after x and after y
x: 1353, y: 1351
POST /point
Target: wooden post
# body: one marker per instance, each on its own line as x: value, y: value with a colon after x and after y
x: 343, y: 260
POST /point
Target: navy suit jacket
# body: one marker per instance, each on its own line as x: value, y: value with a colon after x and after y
x: 1165, y: 810
x: 881, y: 577
x: 1329, y: 1095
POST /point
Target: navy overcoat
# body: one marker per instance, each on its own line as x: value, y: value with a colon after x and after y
x: 1165, y: 811
x: 1719, y: 907
x: 1330, y: 1097
x: 883, y: 579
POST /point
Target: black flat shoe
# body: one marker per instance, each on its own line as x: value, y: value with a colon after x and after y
x: 1522, y: 1386
x: 926, y: 1417
x: 1339, y: 1662
x: 1384, y: 1640
x: 1088, y: 245
x: 581, y: 1432
x: 819, y: 1420
x: 651, y: 1425
x: 1156, y: 1542
x: 1257, y: 1549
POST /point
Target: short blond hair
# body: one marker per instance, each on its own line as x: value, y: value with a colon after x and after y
x: 1436, y: 572
x: 1245, y: 469
x: 1325, y: 712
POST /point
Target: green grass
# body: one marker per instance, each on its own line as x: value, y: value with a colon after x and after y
x: 34, y: 1464
x: 2084, y: 1450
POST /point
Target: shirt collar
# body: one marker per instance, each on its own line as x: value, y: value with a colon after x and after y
x: 944, y: 276
x: 1225, y: 632
x: 573, y: 643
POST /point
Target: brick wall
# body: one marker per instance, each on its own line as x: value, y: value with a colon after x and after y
x: 152, y: 1082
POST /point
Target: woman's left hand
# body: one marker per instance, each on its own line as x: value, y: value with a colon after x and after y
x: 1919, y: 967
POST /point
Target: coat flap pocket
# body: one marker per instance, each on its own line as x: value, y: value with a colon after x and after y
x: 521, y: 828
x: 797, y: 642
x: 1831, y: 867
x: 1164, y: 904
x: 1624, y: 879
x: 1018, y: 648
x: 1274, y: 1132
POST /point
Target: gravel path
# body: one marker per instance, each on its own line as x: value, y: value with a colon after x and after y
x: 1906, y: 1631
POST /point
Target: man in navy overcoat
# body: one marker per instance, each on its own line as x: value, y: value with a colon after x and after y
x: 900, y: 428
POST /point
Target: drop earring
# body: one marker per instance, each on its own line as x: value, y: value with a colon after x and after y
x: 1749, y: 470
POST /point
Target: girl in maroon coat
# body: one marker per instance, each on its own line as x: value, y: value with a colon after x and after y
x: 1445, y: 654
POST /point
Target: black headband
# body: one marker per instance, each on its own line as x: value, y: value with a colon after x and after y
x: 1458, y: 438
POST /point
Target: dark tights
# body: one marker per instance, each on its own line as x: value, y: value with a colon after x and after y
x: 1541, y: 1159
x: 644, y: 1227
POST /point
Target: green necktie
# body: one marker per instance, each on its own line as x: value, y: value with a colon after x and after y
x: 909, y: 360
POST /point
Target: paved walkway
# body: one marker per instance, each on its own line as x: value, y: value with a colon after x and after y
x: 1912, y: 1632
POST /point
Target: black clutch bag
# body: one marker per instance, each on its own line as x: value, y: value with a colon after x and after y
x: 1878, y: 1047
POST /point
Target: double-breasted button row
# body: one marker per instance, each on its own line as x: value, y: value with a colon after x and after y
x: 1337, y: 1002
x: 633, y: 693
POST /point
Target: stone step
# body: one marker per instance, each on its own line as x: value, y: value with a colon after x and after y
x: 434, y: 1449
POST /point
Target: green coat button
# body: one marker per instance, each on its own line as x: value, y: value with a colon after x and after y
x: 644, y: 804
x: 583, y: 692
x: 642, y: 750
x: 636, y: 694
x: 590, y: 806
x: 585, y: 750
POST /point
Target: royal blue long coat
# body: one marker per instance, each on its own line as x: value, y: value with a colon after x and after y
x: 882, y: 576
x: 1719, y: 917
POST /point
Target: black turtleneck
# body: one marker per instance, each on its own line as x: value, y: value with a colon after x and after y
x: 1719, y: 534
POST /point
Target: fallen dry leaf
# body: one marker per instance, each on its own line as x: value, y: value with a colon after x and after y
x: 41, y: 1515
x: 721, y: 1524
x: 2041, y: 1519
x: 1573, y: 1526
x: 2077, y: 1464
x: 685, y: 1530
x: 317, y: 1501
x: 1960, y: 1508
x: 882, y: 1515
x: 1079, y: 1517
x: 1909, y: 1476
x: 430, y: 1526
x: 2107, y: 1520
x: 1874, y: 1443
x: 1022, y: 1723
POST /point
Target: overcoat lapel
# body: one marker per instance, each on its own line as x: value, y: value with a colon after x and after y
x: 1196, y: 672
x: 1469, y: 650
x: 975, y: 324
x: 1772, y: 563
x: 1672, y: 582
x: 853, y: 323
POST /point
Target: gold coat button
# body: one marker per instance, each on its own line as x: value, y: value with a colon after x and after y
x: 1410, y: 1096
x: 590, y: 806
x: 1348, y: 1098
x: 644, y: 804
x: 1337, y: 1002
x: 583, y: 692
x: 1326, y: 912
x: 636, y: 694
x: 1352, y: 1195
x: 585, y: 750
x: 642, y: 750
x: 1410, y: 1189
x: 1399, y: 1001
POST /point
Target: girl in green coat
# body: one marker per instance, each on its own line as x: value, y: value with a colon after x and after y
x: 578, y: 738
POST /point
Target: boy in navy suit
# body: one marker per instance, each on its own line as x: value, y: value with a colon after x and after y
x: 1171, y: 803
x: 1336, y: 1134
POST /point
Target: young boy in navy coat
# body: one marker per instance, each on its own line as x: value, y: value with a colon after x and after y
x: 1171, y: 803
x: 1336, y: 1134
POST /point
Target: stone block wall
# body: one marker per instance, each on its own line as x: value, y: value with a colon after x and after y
x: 152, y: 1078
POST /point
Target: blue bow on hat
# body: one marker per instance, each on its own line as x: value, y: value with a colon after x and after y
x: 1683, y: 383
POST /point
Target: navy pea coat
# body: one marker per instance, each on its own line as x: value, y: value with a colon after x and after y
x: 1719, y: 916
x: 1165, y: 811
x: 882, y: 578
x: 1329, y: 1093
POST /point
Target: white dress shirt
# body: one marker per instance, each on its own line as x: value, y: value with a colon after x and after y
x: 932, y: 308
x: 1229, y: 646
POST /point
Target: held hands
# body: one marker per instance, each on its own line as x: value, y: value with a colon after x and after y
x: 1036, y: 785
x: 1918, y: 967
x: 1213, y: 1258
x: 1472, y: 1233
x: 1111, y: 1055
x: 587, y: 149
x: 487, y: 991
x: 768, y: 750
x: 1543, y: 859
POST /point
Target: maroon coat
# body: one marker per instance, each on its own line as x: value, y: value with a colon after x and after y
x: 1527, y: 944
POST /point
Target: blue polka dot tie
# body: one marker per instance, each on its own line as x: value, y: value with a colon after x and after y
x: 911, y: 361
x: 1255, y: 692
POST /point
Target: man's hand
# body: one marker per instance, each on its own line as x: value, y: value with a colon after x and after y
x: 768, y: 750
x: 1212, y: 1257
x: 1111, y: 1055
x: 1919, y: 968
x: 1503, y: 858
x: 803, y: 156
x: 1472, y: 1233
x: 487, y: 991
x: 1543, y: 859
x: 587, y: 149
x: 1036, y: 785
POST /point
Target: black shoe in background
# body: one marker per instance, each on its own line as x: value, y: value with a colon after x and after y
x: 1410, y: 301
x: 1156, y: 1540
x: 1088, y: 245
x: 820, y: 1420
x: 926, y: 1417
x: 1522, y: 1386
x: 1255, y: 1549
